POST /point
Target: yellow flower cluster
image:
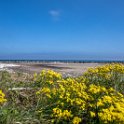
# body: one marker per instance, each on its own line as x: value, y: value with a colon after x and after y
x: 75, y: 101
x: 106, y: 69
x: 2, y: 97
x: 109, y: 75
x: 65, y: 114
x: 94, y: 89
x: 46, y: 78
x: 44, y: 90
x: 76, y: 120
x: 50, y: 75
x: 109, y: 105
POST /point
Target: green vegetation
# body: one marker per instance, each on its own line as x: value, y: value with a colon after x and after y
x: 96, y: 97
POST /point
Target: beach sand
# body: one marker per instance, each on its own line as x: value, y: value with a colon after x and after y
x: 66, y: 69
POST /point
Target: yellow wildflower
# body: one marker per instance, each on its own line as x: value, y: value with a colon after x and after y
x: 2, y: 97
x: 76, y: 120
x: 92, y: 114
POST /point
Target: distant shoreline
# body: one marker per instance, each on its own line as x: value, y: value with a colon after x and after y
x: 63, y: 61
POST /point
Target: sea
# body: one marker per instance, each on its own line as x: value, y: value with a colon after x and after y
x: 57, y: 57
x: 60, y: 61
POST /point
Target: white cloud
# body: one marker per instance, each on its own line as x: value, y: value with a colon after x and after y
x: 54, y: 14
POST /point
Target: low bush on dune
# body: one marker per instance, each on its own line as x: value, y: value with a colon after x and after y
x: 96, y: 97
x: 109, y: 75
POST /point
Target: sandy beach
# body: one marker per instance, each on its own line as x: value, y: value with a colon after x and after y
x: 66, y: 69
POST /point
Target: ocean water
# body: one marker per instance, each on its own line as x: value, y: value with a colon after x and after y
x: 61, y: 57
x: 64, y: 61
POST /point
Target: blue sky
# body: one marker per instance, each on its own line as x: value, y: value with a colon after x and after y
x: 73, y: 27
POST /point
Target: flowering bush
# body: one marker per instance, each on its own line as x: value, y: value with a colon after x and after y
x: 75, y: 101
x: 109, y: 75
x: 96, y: 97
